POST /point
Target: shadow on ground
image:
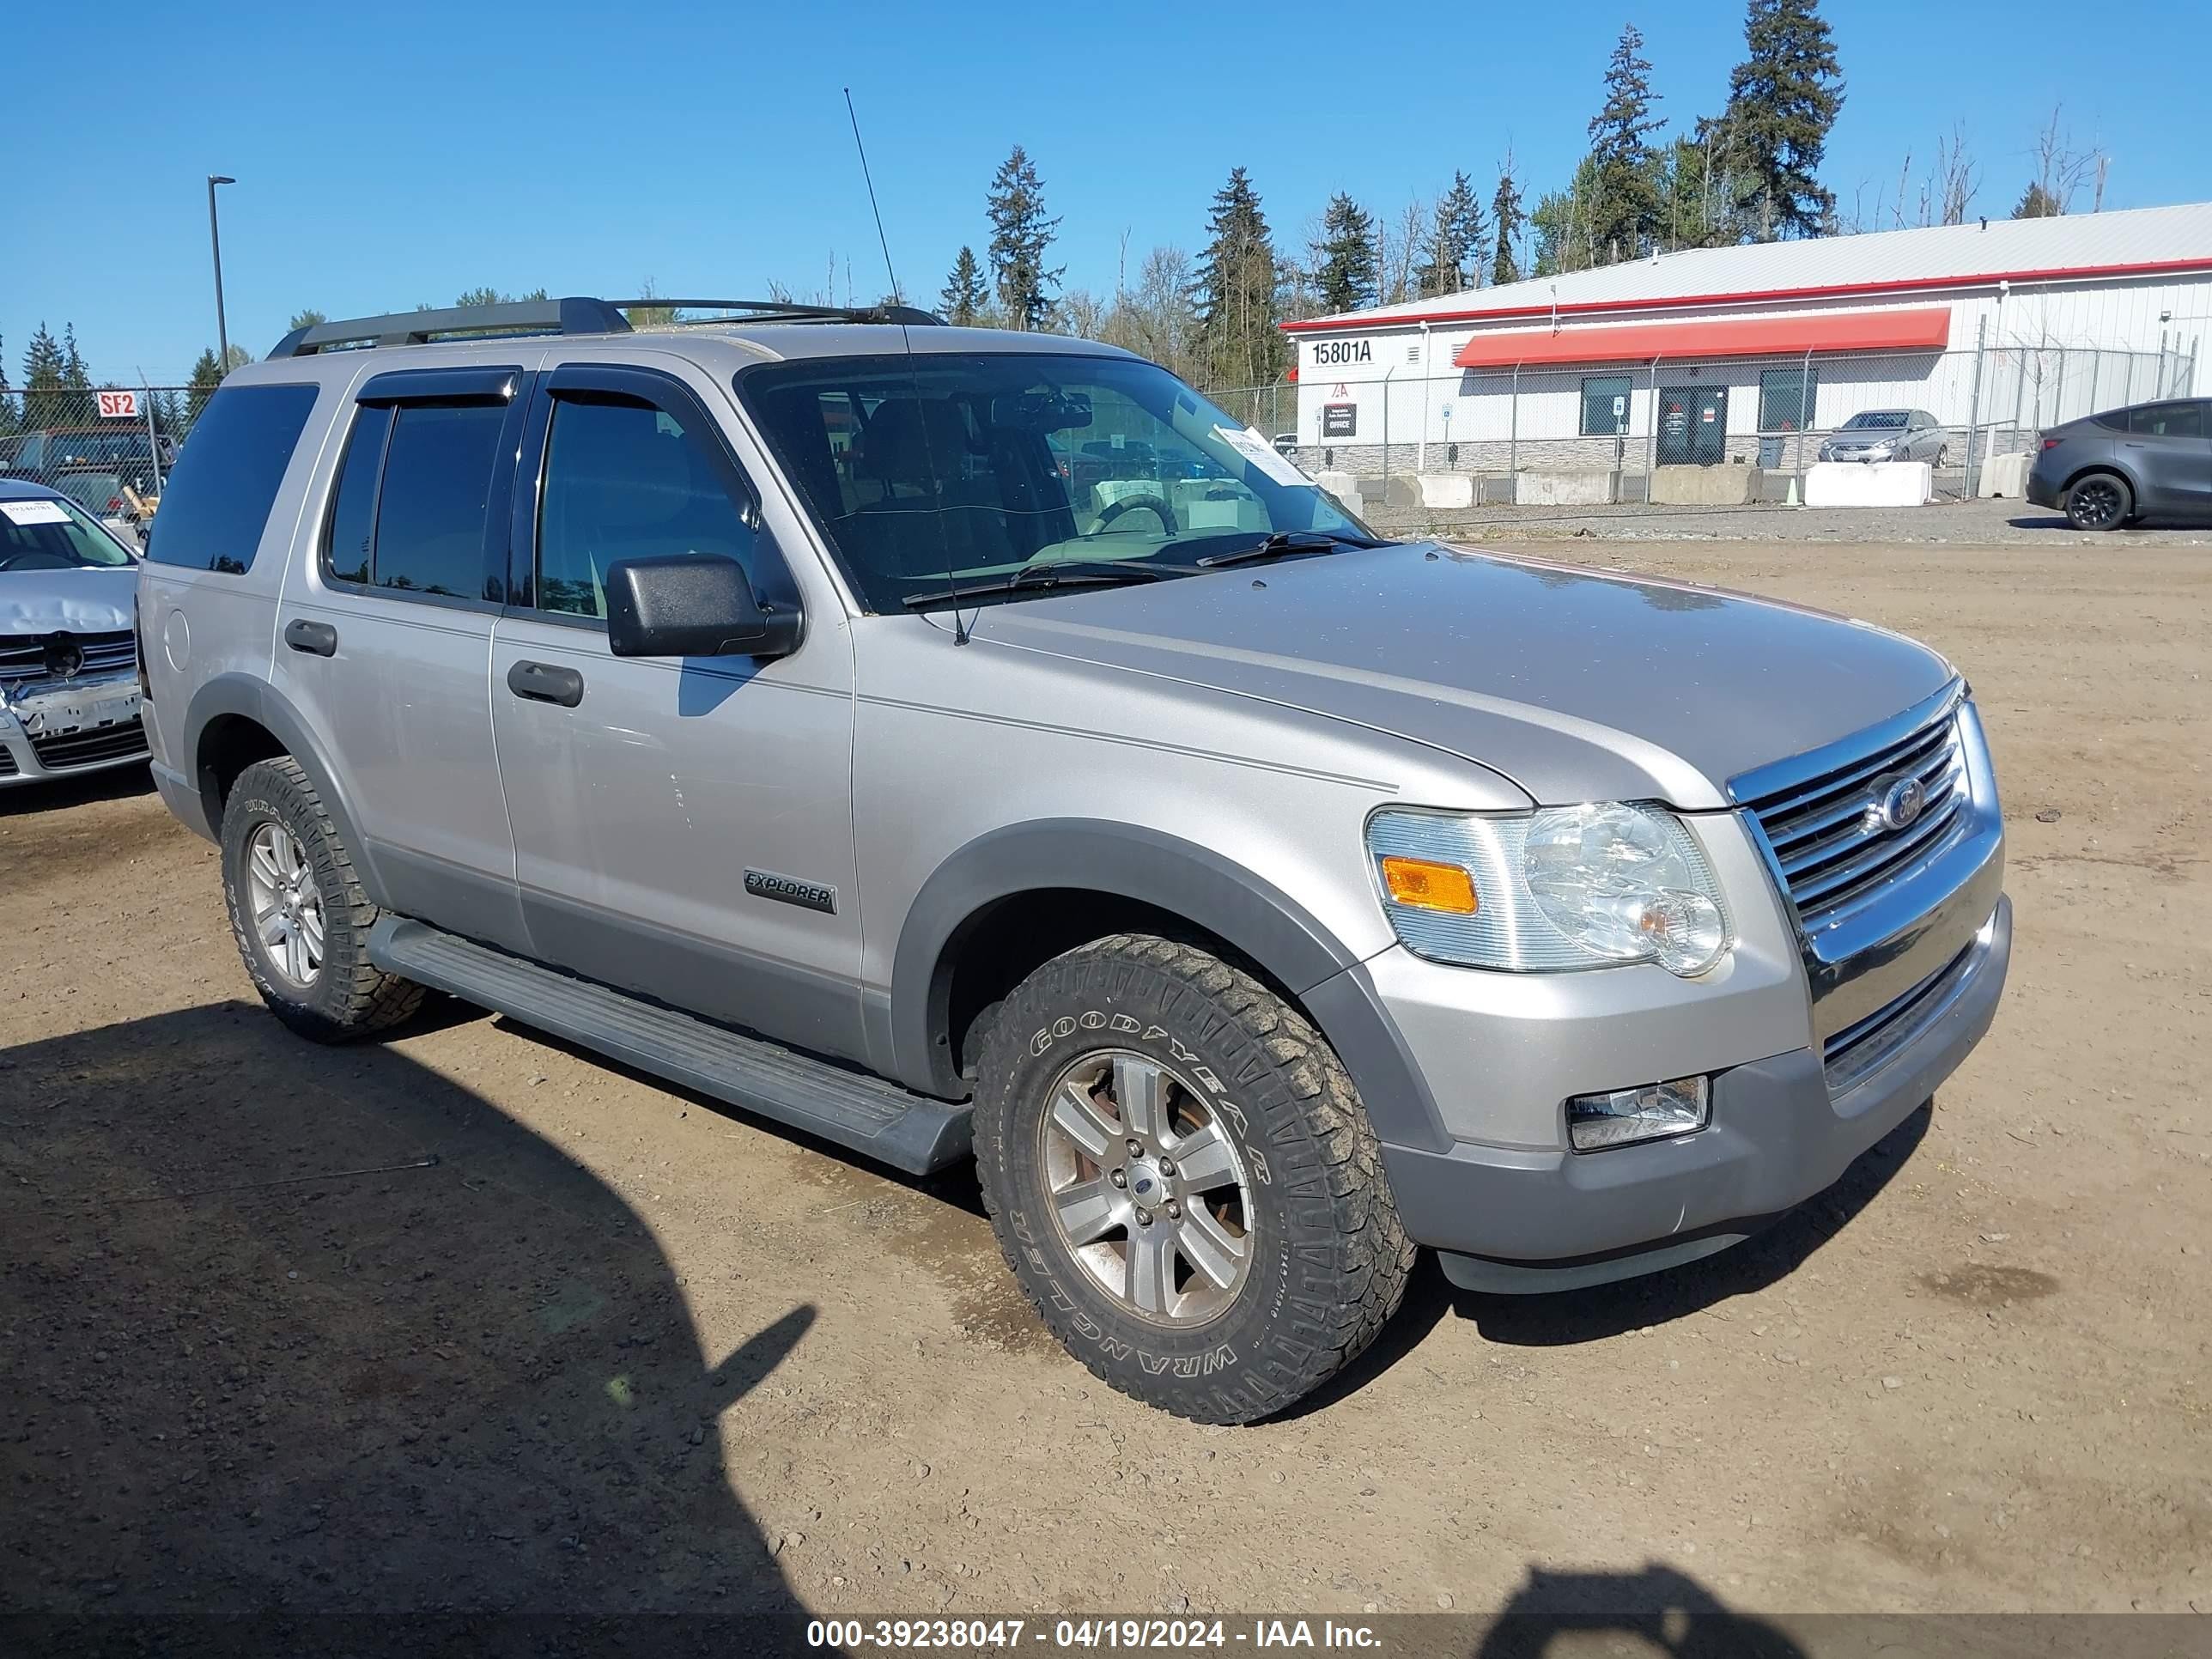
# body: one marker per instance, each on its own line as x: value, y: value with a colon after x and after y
x: 319, y: 1332
x: 1604, y: 1310
x: 1558, y: 1615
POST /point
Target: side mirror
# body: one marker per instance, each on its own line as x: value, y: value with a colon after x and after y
x: 680, y: 605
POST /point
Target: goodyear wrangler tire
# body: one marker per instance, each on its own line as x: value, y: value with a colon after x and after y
x: 298, y: 911
x: 1183, y: 1179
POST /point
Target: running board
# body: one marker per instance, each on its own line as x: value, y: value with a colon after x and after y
x: 907, y: 1131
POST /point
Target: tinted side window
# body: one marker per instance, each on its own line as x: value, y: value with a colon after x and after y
x: 227, y: 478
x: 352, y: 526
x: 625, y: 480
x: 2167, y: 421
x: 437, y: 488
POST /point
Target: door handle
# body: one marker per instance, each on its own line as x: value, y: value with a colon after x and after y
x: 316, y: 639
x: 541, y: 682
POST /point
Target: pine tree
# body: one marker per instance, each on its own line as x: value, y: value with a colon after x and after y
x: 1623, y: 203
x: 1456, y: 242
x: 1236, y: 291
x: 1020, y: 233
x: 75, y: 376
x: 2037, y: 203
x: 1345, y: 272
x: 1782, y: 100
x: 966, y: 298
x: 306, y: 317
x: 42, y: 362
x: 10, y: 420
x: 1506, y: 218
x: 207, y: 375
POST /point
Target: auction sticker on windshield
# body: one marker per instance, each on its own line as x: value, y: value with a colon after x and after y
x: 34, y: 512
x: 1261, y: 453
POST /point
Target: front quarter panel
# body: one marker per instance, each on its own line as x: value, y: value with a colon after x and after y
x: 1259, y: 809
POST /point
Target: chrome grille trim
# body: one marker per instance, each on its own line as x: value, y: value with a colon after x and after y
x: 1813, y: 817
x: 1856, y: 1053
x: 23, y: 656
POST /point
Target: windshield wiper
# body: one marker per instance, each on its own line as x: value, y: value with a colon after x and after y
x: 1058, y: 572
x: 1286, y: 543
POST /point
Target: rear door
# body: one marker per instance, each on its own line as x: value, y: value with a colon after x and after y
x: 2170, y: 450
x: 683, y: 826
x: 383, y: 639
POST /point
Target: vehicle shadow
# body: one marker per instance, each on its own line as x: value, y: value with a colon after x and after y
x: 59, y: 794
x: 1556, y: 1614
x: 320, y: 1333
x: 1604, y: 1310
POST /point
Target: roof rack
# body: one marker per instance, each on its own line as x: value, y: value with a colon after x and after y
x: 573, y: 315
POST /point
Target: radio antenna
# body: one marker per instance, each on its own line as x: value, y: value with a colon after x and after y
x: 959, y: 623
x: 897, y: 294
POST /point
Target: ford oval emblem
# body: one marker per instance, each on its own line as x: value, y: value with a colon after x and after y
x: 1898, y: 806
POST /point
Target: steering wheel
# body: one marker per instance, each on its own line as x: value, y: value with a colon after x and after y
x: 1149, y: 503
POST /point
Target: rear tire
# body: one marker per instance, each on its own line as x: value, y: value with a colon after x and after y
x: 2101, y: 501
x: 298, y: 912
x: 1283, y: 1252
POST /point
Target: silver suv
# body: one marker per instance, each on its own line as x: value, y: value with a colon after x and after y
x: 960, y: 743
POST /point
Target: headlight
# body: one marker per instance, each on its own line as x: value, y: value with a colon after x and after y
x: 1559, y: 888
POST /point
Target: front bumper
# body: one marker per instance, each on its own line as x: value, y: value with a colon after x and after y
x: 53, y: 729
x: 1515, y: 1220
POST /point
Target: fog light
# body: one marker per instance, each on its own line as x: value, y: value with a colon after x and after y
x: 1656, y: 1110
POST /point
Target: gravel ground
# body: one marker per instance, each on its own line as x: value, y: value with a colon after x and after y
x: 1982, y: 523
x: 466, y: 1320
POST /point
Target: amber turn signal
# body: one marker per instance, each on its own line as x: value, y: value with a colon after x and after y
x: 1424, y: 884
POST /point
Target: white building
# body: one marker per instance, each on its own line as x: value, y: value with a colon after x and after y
x: 1998, y: 326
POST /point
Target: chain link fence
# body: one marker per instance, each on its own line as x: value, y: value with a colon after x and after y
x: 108, y: 448
x: 1778, y: 415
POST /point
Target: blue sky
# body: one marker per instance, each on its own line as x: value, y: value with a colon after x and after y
x: 395, y: 154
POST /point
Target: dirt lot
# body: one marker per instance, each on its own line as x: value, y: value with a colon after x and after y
x: 466, y: 1320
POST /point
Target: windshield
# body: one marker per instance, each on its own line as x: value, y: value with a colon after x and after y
x: 1875, y: 418
x: 976, y: 467
x: 45, y: 534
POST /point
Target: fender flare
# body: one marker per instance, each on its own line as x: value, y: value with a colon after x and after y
x: 1184, y: 879
x: 257, y: 701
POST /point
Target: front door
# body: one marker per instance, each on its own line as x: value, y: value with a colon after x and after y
x: 2171, y: 451
x: 1692, y: 425
x: 682, y: 827
x: 384, y: 640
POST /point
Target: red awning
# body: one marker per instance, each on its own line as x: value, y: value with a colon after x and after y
x: 1926, y: 329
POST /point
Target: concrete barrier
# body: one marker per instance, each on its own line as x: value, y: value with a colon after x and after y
x: 1447, y: 489
x: 1861, y: 483
x: 1705, y: 486
x: 1342, y: 485
x: 2005, y: 476
x: 1566, y: 489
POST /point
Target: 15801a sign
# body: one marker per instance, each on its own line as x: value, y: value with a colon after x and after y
x: 1343, y: 351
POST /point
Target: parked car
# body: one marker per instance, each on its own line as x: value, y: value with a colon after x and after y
x: 1252, y: 898
x: 1889, y: 434
x: 2147, y: 460
x: 107, y: 498
x: 69, y: 654
x: 123, y: 449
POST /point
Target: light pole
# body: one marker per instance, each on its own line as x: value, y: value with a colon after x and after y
x: 214, y: 242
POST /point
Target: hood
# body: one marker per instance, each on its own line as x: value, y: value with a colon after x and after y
x: 90, y: 600
x: 1576, y: 684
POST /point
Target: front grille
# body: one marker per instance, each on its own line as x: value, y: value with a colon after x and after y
x: 7, y: 764
x: 1829, y: 849
x: 102, y: 743
x: 1858, y: 1050
x: 23, y: 657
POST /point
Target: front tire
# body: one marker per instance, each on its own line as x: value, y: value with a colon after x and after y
x: 2099, y: 501
x: 298, y: 912
x: 1183, y: 1179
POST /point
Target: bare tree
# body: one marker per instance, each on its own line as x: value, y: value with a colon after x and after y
x: 1956, y: 181
x: 2061, y: 170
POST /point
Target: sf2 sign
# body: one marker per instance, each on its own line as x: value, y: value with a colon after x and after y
x: 1343, y: 351
x: 119, y: 405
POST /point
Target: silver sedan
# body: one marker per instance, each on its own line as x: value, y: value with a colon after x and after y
x: 1889, y: 434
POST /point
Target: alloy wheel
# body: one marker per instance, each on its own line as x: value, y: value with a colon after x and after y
x: 288, y: 906
x: 1147, y: 1187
